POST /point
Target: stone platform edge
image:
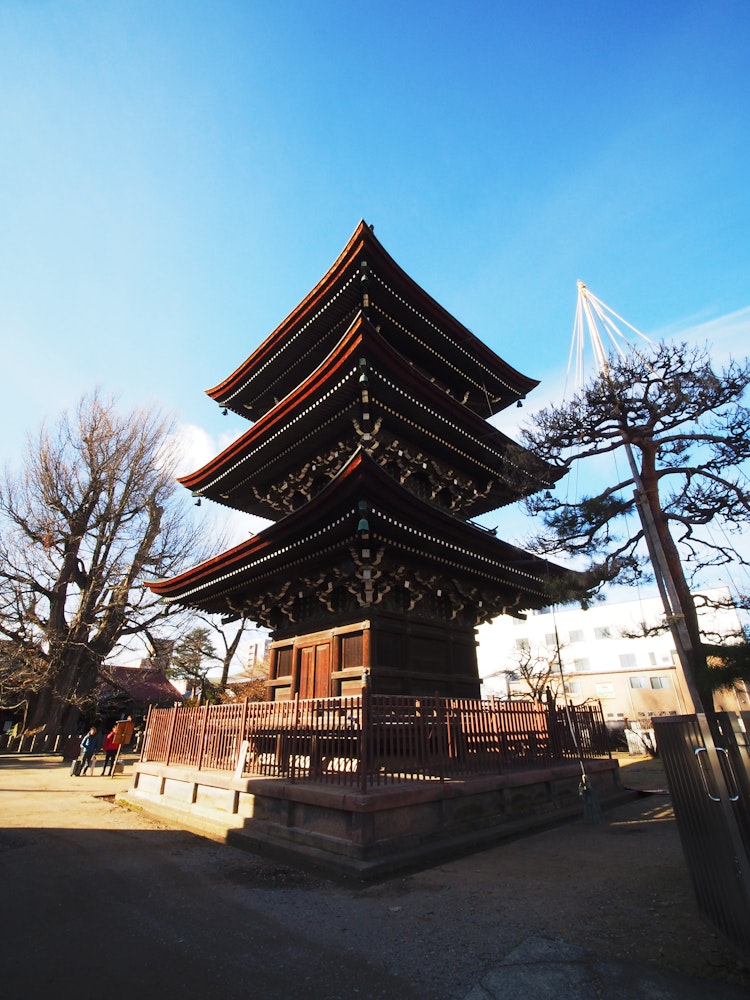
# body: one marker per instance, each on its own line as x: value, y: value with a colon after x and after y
x: 341, y: 831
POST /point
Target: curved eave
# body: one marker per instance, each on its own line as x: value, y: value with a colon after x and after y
x: 323, y: 401
x: 332, y: 374
x: 501, y: 383
x: 329, y: 523
x: 225, y: 392
x: 498, y: 383
x: 454, y: 421
x: 427, y: 522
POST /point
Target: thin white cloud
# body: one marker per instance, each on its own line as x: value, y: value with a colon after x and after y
x: 195, y: 447
x: 727, y: 336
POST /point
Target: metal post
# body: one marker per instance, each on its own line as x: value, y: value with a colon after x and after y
x: 170, y: 737
x: 146, y: 733
x: 202, y: 736
x: 365, y: 737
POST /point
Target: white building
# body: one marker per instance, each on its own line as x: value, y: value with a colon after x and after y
x: 605, y: 656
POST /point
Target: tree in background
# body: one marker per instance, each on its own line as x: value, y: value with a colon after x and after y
x: 537, y: 670
x: 230, y: 646
x: 689, y: 433
x: 91, y: 515
x: 249, y: 682
x: 194, y: 656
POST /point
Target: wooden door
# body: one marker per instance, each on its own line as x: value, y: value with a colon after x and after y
x: 315, y: 670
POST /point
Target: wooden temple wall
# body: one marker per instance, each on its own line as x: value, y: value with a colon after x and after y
x: 391, y: 655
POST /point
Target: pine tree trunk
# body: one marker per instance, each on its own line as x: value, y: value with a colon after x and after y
x: 696, y: 666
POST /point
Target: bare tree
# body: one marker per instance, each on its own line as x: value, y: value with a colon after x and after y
x: 250, y: 682
x: 689, y: 434
x: 91, y: 515
x: 229, y: 646
x: 537, y: 669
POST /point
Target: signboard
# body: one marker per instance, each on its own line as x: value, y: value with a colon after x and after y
x: 124, y: 732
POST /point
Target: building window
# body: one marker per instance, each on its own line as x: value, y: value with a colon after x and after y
x: 627, y: 661
x: 576, y: 635
x: 522, y: 645
x: 604, y: 632
x: 582, y: 666
x: 605, y: 690
x: 550, y: 640
x: 573, y: 687
x: 659, y: 683
x: 652, y: 659
x: 639, y: 682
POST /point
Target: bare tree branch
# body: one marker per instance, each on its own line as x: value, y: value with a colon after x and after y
x: 92, y: 514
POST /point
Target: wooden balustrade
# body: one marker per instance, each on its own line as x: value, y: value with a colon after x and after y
x: 371, y: 740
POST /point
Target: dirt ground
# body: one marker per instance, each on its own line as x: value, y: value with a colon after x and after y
x: 203, y: 912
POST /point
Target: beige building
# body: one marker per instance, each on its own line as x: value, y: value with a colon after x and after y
x: 605, y: 654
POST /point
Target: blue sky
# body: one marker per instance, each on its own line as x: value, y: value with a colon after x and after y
x: 176, y: 176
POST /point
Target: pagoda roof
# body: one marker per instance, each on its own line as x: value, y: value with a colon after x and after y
x: 320, y: 411
x: 409, y: 318
x: 327, y: 527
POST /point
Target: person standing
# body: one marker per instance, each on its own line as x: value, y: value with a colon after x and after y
x: 89, y: 746
x: 110, y: 752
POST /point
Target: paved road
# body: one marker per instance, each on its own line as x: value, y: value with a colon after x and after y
x: 101, y: 900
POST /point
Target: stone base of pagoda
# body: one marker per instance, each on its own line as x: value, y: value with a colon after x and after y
x: 398, y: 654
x: 367, y: 836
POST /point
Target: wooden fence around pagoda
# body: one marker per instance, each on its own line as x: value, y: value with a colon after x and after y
x: 371, y: 740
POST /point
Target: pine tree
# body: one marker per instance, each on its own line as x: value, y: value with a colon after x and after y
x: 193, y: 657
x: 688, y: 431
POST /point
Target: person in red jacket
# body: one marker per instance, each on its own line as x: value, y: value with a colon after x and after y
x: 110, y: 752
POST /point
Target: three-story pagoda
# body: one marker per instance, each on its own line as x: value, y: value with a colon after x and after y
x: 370, y: 450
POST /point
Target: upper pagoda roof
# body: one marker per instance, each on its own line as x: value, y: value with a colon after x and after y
x: 324, y: 413
x: 325, y: 529
x: 366, y: 276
